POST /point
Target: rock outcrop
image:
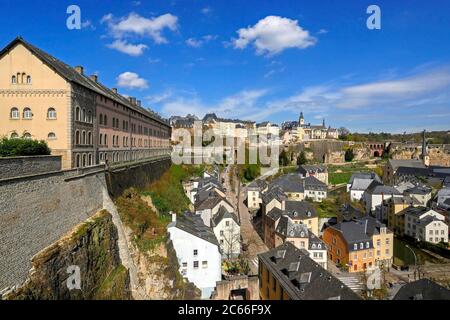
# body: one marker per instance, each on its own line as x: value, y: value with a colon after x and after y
x: 91, y: 248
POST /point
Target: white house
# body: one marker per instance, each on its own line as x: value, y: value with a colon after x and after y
x: 425, y: 224
x: 197, y: 252
x: 376, y: 193
x: 443, y: 198
x: 359, y: 182
x: 254, y: 193
x: 227, y: 229
x: 207, y: 208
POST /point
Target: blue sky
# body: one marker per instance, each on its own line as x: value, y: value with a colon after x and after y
x: 259, y: 60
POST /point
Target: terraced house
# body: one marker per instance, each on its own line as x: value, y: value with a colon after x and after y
x: 85, y: 122
x: 359, y: 244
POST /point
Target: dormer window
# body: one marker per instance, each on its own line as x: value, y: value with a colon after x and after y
x: 355, y: 246
x: 361, y: 245
x: 367, y: 245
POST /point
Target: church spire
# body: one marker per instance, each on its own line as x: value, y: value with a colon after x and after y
x: 424, y: 144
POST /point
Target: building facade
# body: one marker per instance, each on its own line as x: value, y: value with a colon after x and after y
x: 83, y: 121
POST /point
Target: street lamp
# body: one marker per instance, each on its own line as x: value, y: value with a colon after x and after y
x: 415, y: 261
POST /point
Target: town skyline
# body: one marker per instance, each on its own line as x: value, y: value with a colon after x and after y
x: 197, y: 58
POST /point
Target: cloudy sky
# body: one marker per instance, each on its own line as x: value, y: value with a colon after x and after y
x: 259, y: 60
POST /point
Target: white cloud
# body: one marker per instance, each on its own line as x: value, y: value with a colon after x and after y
x: 131, y: 80
x: 322, y: 31
x: 196, y: 43
x: 87, y: 25
x: 134, y: 24
x: 206, y: 10
x: 417, y: 86
x: 273, y: 34
x: 128, y: 48
x: 154, y: 60
x: 240, y: 105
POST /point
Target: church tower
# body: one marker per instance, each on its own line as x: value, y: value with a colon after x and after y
x: 301, y: 120
x: 425, y: 157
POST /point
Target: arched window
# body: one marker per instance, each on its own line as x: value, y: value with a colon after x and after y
x: 77, y: 114
x: 27, y: 135
x: 27, y: 114
x: 23, y: 78
x: 105, y: 120
x: 100, y: 119
x: 106, y: 140
x: 28, y: 79
x: 89, y: 138
x: 84, y: 160
x: 51, y: 136
x: 83, y: 115
x: 90, y: 160
x: 89, y: 116
x: 83, y: 137
x: 14, y: 135
x: 78, y: 161
x: 14, y: 80
x: 51, y: 114
x: 14, y: 114
x: 101, y: 139
x: 77, y: 137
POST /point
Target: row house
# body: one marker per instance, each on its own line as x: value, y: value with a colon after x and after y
x: 360, y: 244
x: 81, y: 120
x: 424, y: 224
x: 288, y: 273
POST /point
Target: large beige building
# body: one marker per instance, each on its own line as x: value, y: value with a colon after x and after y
x: 86, y: 123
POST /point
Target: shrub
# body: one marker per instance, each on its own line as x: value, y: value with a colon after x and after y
x: 349, y: 155
x: 23, y: 147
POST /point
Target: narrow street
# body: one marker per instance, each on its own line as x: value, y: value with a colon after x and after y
x: 250, y: 237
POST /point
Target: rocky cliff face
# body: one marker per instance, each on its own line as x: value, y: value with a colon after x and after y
x: 91, y: 248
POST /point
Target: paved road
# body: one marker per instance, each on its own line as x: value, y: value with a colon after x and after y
x: 248, y: 232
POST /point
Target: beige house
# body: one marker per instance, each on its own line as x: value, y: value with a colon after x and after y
x: 83, y: 121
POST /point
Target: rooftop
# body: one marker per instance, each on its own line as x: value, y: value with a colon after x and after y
x: 301, y: 277
x: 423, y: 289
x: 193, y: 224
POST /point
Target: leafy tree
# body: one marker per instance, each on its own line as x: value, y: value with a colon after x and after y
x: 349, y: 155
x: 343, y: 133
x: 301, y: 160
x: 283, y: 159
x: 23, y: 147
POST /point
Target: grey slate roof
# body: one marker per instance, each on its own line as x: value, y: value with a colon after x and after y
x: 312, y: 183
x: 415, y: 211
x: 360, y: 184
x: 257, y: 184
x: 288, y: 228
x: 193, y: 224
x: 273, y: 193
x: 312, y: 169
x: 423, y: 289
x: 70, y: 74
x: 364, y: 176
x: 289, y: 183
x: 419, y: 190
x: 223, y: 213
x: 395, y: 164
x: 300, y: 210
x: 378, y: 188
x: 301, y: 277
x: 358, y: 231
x: 209, y: 202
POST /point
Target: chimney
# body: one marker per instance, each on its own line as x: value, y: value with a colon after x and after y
x: 133, y: 100
x: 79, y: 69
x: 138, y: 103
x: 94, y: 78
x: 114, y: 90
x: 174, y: 217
